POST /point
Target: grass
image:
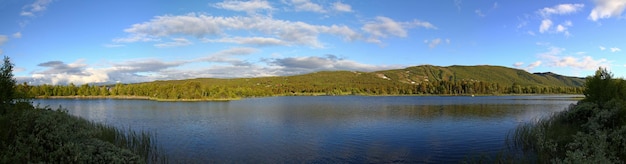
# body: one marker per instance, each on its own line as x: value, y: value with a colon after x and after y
x: 584, y: 133
x: 41, y: 135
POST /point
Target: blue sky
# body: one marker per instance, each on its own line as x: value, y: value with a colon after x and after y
x: 72, y: 41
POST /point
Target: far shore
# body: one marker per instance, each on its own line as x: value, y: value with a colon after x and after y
x: 130, y: 98
x: 232, y: 99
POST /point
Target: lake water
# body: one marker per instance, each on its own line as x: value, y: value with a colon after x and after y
x: 323, y: 129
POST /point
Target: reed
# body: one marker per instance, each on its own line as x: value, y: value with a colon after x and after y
x: 41, y: 135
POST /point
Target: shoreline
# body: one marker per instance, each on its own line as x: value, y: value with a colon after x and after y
x: 282, y: 95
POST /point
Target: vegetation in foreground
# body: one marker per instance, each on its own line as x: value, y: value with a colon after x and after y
x: 30, y: 134
x: 591, y: 131
x: 420, y: 80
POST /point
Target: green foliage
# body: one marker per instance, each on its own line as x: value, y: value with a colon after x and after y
x: 42, y: 135
x: 7, y: 84
x: 601, y: 88
x: 592, y: 131
x: 455, y: 80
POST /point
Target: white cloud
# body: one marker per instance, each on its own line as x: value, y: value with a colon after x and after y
x: 17, y: 35
x: 615, y: 49
x: 529, y: 67
x: 602, y: 48
x: 257, y: 41
x: 306, y: 5
x: 457, y: 3
x: 249, y: 7
x: 435, y: 42
x: 555, y: 58
x: 561, y: 9
x: 607, y: 9
x: 229, y: 66
x: 36, y: 7
x: 176, y: 42
x: 3, y: 39
x: 382, y: 27
x: 545, y: 25
x: 201, y: 25
x: 227, y: 56
x: 338, y: 6
x: 533, y: 65
x: 299, y: 65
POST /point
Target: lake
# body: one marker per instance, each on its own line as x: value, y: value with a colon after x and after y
x: 323, y: 129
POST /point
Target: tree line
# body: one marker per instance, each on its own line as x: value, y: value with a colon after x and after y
x: 325, y: 83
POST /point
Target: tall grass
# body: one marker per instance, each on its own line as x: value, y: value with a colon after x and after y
x: 40, y: 135
x: 584, y: 133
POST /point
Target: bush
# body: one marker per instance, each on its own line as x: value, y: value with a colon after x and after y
x: 35, y: 135
x: 592, y: 131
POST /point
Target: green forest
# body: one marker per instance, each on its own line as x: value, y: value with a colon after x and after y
x: 419, y: 80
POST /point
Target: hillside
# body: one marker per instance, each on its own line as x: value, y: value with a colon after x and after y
x: 491, y: 74
x: 425, y: 79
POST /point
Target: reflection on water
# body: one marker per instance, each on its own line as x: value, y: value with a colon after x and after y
x: 324, y: 129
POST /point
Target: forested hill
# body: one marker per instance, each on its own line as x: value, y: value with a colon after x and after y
x: 485, y: 73
x: 426, y: 79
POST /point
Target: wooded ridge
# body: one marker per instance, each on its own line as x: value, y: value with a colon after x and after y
x: 418, y: 80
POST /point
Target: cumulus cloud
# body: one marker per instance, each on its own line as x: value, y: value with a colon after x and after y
x: 227, y: 56
x: 529, y: 67
x: 561, y: 9
x: 554, y: 57
x: 533, y: 65
x: 545, y: 25
x: 142, y: 70
x: 249, y: 7
x: 615, y: 49
x: 36, y: 7
x: 176, y: 42
x: 201, y: 25
x: 342, y: 7
x: 306, y: 5
x: 298, y: 65
x: 143, y: 65
x: 602, y: 48
x: 257, y: 41
x: 435, y: 42
x: 382, y: 27
x: 607, y: 9
x: 58, y: 72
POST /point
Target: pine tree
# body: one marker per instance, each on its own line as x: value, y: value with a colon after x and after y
x: 7, y: 82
